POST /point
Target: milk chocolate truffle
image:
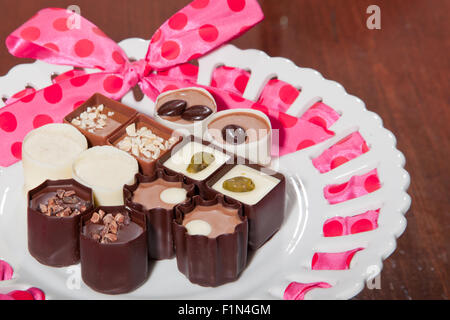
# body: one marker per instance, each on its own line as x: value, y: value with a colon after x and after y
x: 195, y: 159
x: 146, y: 140
x: 211, y: 239
x: 99, y: 117
x: 185, y: 109
x: 48, y: 152
x: 54, y: 213
x: 113, y: 246
x: 245, y: 132
x: 156, y: 196
x: 260, y: 190
x: 106, y: 170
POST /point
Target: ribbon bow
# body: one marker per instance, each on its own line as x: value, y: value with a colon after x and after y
x: 195, y: 30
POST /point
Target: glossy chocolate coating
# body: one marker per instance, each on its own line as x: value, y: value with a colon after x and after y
x: 54, y: 241
x: 196, y: 113
x: 192, y: 96
x: 266, y: 216
x: 159, y: 220
x: 172, y: 108
x: 221, y: 219
x: 209, y: 261
x: 114, y: 268
x: 234, y: 134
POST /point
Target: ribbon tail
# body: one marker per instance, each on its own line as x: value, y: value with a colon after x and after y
x: 50, y: 105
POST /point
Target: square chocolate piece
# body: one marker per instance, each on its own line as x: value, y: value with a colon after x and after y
x: 196, y: 160
x: 259, y: 189
x: 54, y: 213
x: 146, y: 140
x: 100, y: 117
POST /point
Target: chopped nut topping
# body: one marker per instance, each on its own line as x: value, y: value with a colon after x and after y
x: 92, y: 119
x: 63, y: 204
x: 111, y: 225
x: 143, y: 142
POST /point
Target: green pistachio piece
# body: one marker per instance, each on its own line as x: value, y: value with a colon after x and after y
x: 200, y: 161
x: 239, y: 184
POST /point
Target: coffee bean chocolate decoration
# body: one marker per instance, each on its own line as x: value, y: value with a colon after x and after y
x: 172, y: 108
x: 196, y: 113
x: 234, y: 134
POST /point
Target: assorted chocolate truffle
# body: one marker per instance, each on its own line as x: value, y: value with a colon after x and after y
x: 113, y: 249
x: 106, y: 170
x: 156, y: 196
x: 191, y: 198
x: 48, y: 152
x: 185, y: 109
x: 260, y: 190
x: 99, y: 117
x: 54, y: 212
x: 210, y: 240
x: 195, y: 159
x: 146, y: 140
x: 245, y: 132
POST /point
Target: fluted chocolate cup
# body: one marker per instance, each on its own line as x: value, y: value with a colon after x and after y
x: 159, y: 220
x: 264, y: 217
x: 52, y: 240
x: 114, y: 268
x: 210, y: 262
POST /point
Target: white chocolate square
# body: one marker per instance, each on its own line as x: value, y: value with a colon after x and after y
x: 181, y: 159
x: 264, y: 183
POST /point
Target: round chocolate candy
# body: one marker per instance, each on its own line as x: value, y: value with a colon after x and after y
x: 172, y: 108
x: 234, y: 134
x: 196, y: 113
x: 239, y: 184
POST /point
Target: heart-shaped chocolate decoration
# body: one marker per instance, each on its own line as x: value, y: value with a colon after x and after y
x: 172, y: 108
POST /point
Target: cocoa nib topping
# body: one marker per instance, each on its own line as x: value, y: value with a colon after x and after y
x: 111, y: 225
x: 63, y: 204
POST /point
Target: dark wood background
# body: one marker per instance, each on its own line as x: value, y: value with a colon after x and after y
x: 400, y: 71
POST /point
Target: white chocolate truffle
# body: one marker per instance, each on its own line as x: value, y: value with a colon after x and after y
x: 106, y: 170
x: 48, y: 152
x: 264, y: 183
x: 181, y: 159
x: 198, y: 227
x: 173, y: 195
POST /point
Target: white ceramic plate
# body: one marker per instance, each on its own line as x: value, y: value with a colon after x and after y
x: 287, y: 256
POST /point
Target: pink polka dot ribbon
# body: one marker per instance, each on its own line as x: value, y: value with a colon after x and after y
x: 297, y: 290
x: 344, y: 150
x: 333, y: 260
x: 29, y: 294
x: 357, y: 186
x: 51, y: 36
x: 6, y: 271
x: 341, y: 226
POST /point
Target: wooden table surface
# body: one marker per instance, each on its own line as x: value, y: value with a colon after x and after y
x: 401, y: 72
